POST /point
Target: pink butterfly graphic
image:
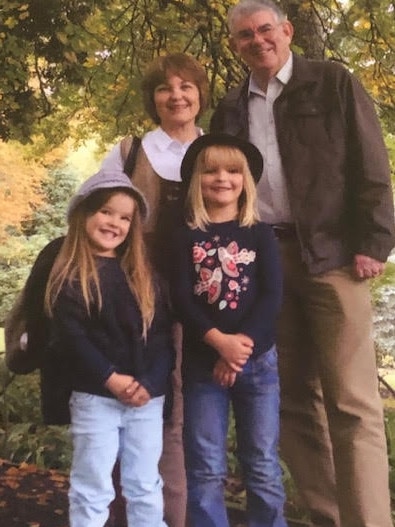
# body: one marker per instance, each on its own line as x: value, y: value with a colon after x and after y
x: 210, y: 282
x: 230, y: 256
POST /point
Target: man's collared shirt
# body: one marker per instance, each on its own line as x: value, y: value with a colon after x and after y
x: 273, y: 202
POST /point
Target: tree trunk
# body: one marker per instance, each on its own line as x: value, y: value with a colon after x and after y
x: 308, y: 37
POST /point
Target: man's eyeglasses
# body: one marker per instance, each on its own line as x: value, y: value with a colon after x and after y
x: 247, y: 35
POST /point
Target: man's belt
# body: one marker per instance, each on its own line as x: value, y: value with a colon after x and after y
x: 284, y: 231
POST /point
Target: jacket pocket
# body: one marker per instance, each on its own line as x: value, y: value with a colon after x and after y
x: 309, y: 120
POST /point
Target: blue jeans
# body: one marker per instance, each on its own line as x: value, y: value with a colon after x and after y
x: 104, y: 429
x: 255, y: 401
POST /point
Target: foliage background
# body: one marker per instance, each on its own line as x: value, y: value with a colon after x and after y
x: 70, y: 87
x: 71, y: 66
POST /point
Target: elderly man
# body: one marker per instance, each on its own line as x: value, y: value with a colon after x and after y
x: 326, y: 190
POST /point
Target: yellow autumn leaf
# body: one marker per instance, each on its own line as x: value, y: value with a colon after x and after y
x: 70, y: 56
x: 10, y: 22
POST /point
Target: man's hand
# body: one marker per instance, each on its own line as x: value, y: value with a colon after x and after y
x: 367, y: 267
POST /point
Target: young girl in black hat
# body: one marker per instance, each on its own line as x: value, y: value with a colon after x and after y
x: 116, y: 334
x: 227, y: 291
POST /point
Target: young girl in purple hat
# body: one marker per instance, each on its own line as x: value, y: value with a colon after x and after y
x: 116, y: 335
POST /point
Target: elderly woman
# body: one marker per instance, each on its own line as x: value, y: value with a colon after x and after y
x: 175, y: 91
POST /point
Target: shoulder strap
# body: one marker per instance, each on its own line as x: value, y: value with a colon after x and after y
x: 129, y: 148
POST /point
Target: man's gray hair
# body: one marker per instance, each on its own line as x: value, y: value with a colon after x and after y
x: 249, y: 7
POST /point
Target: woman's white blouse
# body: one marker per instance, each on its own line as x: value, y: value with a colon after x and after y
x: 164, y: 154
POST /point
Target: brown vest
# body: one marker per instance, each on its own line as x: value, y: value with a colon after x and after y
x: 165, y: 209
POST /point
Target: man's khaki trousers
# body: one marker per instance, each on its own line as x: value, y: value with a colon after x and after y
x: 332, y: 429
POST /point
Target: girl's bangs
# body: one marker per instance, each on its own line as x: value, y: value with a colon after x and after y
x: 224, y: 156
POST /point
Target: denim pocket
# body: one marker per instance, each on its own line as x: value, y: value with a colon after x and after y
x: 81, y: 399
x: 269, y: 359
x: 91, y: 413
x: 264, y: 370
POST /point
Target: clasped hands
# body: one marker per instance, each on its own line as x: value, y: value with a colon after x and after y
x: 127, y: 390
x: 234, y: 351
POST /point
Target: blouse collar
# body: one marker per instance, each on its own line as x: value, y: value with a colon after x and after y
x: 165, y: 153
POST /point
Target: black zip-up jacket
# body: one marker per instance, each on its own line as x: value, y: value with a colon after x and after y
x: 335, y: 162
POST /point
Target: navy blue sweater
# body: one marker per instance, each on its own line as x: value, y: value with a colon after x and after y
x: 230, y: 278
x: 109, y: 340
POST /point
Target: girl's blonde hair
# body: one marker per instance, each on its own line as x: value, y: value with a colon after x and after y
x: 76, y: 260
x: 224, y: 156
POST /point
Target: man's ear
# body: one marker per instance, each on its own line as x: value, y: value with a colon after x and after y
x: 288, y: 29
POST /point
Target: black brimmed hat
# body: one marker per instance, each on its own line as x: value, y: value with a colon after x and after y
x: 254, y: 157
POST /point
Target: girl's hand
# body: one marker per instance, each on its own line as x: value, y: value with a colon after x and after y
x: 234, y: 349
x: 117, y: 383
x: 223, y: 374
x: 135, y: 395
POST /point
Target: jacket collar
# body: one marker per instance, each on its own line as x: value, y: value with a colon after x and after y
x: 302, y: 74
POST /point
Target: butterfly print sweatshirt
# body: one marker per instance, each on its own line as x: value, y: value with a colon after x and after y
x: 227, y: 277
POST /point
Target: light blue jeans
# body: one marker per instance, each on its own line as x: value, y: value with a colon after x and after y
x: 104, y: 429
x: 255, y: 400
